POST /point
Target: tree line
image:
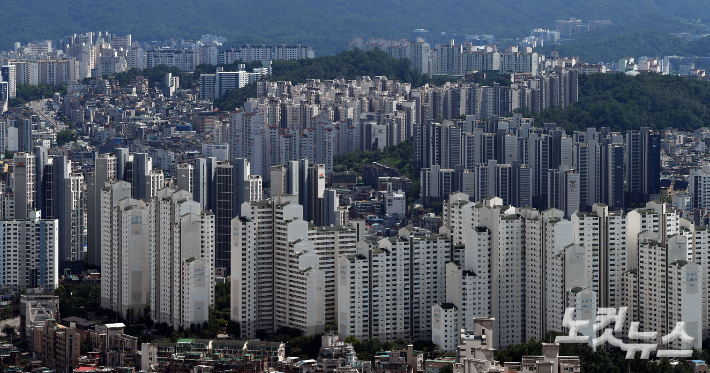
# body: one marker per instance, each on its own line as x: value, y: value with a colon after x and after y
x: 624, y: 102
x: 601, y: 360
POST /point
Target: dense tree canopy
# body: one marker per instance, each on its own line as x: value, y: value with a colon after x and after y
x: 26, y: 92
x: 599, y: 361
x: 636, y: 44
x: 625, y: 102
x: 78, y: 299
x: 66, y: 136
x: 235, y: 98
x: 398, y: 156
x: 349, y: 64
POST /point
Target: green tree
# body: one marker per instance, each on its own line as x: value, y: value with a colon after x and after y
x: 9, y: 331
x: 84, y: 346
x: 233, y: 328
x: 66, y: 136
x: 447, y: 368
x: 624, y: 103
x: 27, y: 92
x: 79, y: 299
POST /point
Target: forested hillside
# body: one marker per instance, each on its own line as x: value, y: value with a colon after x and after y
x: 349, y: 64
x: 625, y: 102
x: 640, y: 43
x: 327, y: 25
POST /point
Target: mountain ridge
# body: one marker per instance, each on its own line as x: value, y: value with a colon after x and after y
x: 326, y: 25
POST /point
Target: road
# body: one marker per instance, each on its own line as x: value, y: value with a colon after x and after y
x: 40, y: 108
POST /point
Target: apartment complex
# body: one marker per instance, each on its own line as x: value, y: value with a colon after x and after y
x: 539, y: 167
x: 158, y: 251
x: 649, y: 260
x: 386, y: 291
x: 298, y: 291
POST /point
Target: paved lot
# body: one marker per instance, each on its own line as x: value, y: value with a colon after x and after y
x: 14, y: 322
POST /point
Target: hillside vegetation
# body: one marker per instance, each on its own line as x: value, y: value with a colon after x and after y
x: 601, y: 360
x: 327, y: 25
x: 349, y: 64
x: 640, y: 43
x: 625, y: 102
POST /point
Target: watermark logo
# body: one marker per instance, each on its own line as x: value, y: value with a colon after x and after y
x: 605, y: 316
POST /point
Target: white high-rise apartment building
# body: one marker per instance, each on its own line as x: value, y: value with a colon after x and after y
x: 24, y: 184
x: 658, y: 220
x: 305, y: 309
x: 293, y: 256
x: 388, y: 292
x: 249, y: 140
x: 105, y: 169
x: 563, y: 281
x: 283, y: 270
x: 603, y: 234
x: 325, y: 147
x: 450, y: 59
x: 370, y: 304
x: 419, y: 53
x: 154, y: 181
x: 468, y: 282
x: 430, y: 253
x: 458, y: 215
x: 507, y: 283
x: 158, y: 251
x: 519, y: 62
x: 547, y: 234
x: 508, y: 242
x: 252, y: 297
x: 29, y: 251
x: 181, y: 260
x: 570, y: 264
x: 668, y: 289
x: 685, y: 281
x: 534, y: 272
x: 330, y: 243
x: 699, y: 252
x: 126, y: 230
x: 253, y: 188
x: 445, y: 324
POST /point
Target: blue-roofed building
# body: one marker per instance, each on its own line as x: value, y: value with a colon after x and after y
x: 698, y: 366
